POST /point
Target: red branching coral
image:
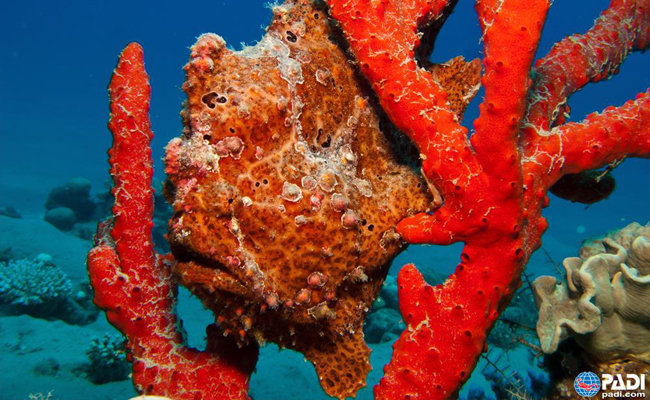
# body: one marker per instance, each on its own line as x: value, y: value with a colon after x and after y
x: 494, y: 184
x: 132, y: 284
x: 489, y: 189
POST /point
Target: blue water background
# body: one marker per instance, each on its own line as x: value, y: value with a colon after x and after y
x: 56, y: 59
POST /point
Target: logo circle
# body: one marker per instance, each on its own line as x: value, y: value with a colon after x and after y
x: 587, y: 384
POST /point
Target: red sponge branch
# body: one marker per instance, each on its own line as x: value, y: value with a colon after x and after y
x: 134, y: 285
x: 600, y: 139
x: 590, y: 57
x: 495, y: 188
x: 511, y: 32
x: 129, y: 92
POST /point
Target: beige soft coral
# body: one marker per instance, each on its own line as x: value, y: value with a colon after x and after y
x: 605, y: 303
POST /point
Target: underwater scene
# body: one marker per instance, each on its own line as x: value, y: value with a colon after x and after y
x: 325, y: 199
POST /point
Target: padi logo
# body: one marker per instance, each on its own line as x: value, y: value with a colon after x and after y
x: 587, y: 384
x: 620, y: 385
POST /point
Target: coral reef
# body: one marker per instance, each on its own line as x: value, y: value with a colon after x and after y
x: 288, y: 181
x: 108, y: 361
x: 71, y: 209
x: 28, y: 284
x: 62, y: 218
x: 41, y: 289
x: 75, y: 196
x: 604, y: 303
